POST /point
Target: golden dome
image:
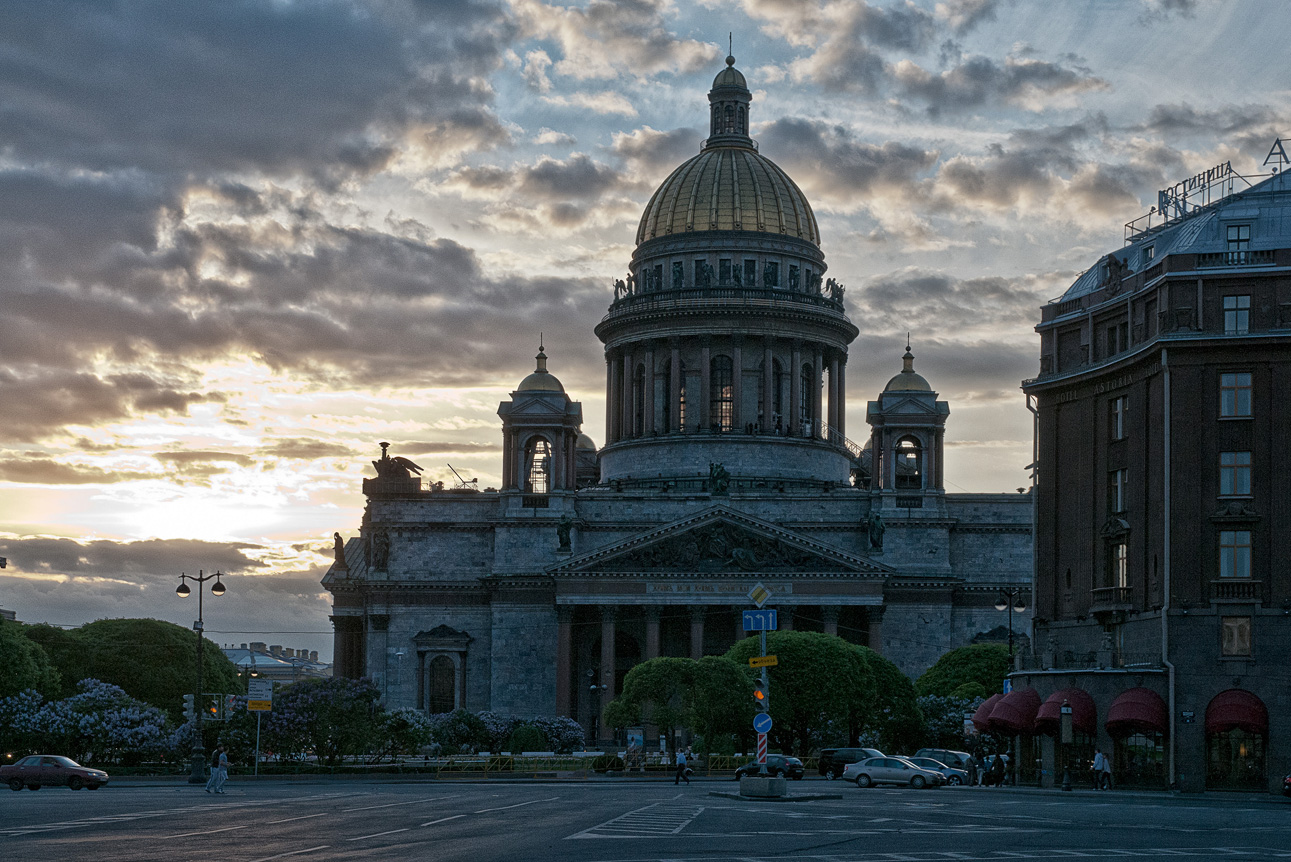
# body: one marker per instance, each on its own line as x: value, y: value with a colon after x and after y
x: 729, y: 188
x: 907, y: 380
x: 585, y: 442
x: 730, y: 76
x: 541, y: 380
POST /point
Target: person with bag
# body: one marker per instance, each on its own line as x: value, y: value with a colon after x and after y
x: 1101, y: 768
x: 681, y: 768
x: 219, y: 771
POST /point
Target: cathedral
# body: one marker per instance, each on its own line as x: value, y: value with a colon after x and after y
x: 726, y: 465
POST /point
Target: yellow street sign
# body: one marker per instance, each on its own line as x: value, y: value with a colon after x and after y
x: 763, y: 661
x: 259, y: 705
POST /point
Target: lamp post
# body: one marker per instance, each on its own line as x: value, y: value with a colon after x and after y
x: 1011, y: 600
x: 1066, y: 739
x: 198, y: 774
x: 596, y: 693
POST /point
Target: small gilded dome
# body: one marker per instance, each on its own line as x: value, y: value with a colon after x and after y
x: 585, y: 442
x: 730, y: 76
x: 541, y: 380
x: 907, y: 380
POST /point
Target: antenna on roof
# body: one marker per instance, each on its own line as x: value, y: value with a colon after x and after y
x: 730, y: 43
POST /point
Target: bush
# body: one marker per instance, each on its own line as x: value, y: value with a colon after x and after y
x: 526, y: 737
x: 460, y: 729
x: 606, y: 762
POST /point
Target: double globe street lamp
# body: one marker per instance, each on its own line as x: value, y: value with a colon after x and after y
x: 198, y: 773
x: 1011, y: 600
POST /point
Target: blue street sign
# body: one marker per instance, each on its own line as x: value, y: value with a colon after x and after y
x: 762, y: 723
x: 760, y: 621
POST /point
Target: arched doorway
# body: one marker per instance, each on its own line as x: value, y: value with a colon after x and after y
x: 1237, y: 731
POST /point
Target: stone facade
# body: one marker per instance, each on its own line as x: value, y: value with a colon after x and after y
x: 727, y: 464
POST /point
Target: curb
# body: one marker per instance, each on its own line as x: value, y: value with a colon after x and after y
x: 809, y: 797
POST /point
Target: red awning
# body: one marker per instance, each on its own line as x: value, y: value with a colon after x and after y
x: 1015, y: 713
x: 983, y: 713
x: 1138, y: 710
x: 1084, y: 713
x: 1237, y: 709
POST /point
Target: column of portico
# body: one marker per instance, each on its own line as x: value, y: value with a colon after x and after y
x: 612, y: 410
x: 875, y: 625
x: 648, y: 395
x: 674, y: 387
x: 737, y: 386
x: 817, y: 393
x: 705, y: 382
x: 628, y: 397
x: 784, y: 618
x: 829, y: 615
x: 768, y: 381
x: 795, y: 391
x: 652, y: 632
x: 564, y: 659
x: 697, y: 632
x: 833, y: 391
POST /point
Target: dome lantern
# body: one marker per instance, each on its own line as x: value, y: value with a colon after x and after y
x: 729, y: 109
x: 541, y: 380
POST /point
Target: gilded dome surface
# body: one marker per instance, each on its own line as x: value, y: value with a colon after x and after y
x: 729, y: 188
x: 907, y: 380
x: 541, y: 380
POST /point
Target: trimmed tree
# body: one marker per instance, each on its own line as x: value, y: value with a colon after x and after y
x: 984, y: 664
x: 24, y: 664
x: 895, y: 721
x: 659, y: 692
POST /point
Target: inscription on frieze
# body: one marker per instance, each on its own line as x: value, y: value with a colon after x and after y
x: 719, y: 547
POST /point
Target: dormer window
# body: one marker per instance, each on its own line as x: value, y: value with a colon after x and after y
x: 1149, y: 254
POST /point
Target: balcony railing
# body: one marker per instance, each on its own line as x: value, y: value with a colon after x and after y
x: 1245, y: 257
x: 720, y: 296
x: 1234, y: 588
x: 1111, y: 599
x: 1088, y: 660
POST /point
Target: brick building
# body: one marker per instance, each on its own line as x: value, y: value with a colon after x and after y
x: 1162, y: 410
x: 727, y: 464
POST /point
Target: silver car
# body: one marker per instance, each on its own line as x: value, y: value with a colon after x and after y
x: 949, y: 774
x: 890, y: 770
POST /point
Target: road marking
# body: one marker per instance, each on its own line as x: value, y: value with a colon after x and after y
x: 517, y: 805
x: 652, y: 821
x: 205, y: 832
x: 443, y: 820
x: 393, y: 804
x: 301, y: 817
x: 377, y: 834
x: 292, y: 853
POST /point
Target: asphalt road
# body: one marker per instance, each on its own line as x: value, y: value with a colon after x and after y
x: 611, y: 820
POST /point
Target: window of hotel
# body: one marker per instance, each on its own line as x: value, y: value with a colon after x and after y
x: 1118, y: 338
x: 1149, y: 253
x: 1237, y: 315
x: 1234, y: 553
x: 1235, y: 394
x: 1236, y: 636
x: 1118, y: 565
x: 1234, y: 474
x: 1117, y: 480
x: 721, y: 378
x: 1117, y: 409
x: 1239, y: 241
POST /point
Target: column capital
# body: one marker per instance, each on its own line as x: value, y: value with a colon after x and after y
x: 609, y: 613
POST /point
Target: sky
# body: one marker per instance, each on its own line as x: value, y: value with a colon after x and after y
x: 241, y: 243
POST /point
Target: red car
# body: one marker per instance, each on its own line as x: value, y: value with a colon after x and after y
x: 37, y: 770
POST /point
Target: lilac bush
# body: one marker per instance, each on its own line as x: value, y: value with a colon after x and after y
x: 100, y: 723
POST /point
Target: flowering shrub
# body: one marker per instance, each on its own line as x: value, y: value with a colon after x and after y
x: 461, y: 729
x: 407, y: 731
x: 100, y: 723
x: 328, y: 718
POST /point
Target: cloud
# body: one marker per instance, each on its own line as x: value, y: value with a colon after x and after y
x: 604, y: 102
x: 1021, y: 81
x: 44, y: 471
x: 305, y: 449
x: 963, y: 15
x: 652, y: 153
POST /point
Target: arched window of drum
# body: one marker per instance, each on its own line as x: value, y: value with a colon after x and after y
x: 909, y: 464
x: 663, y: 384
x: 743, y: 127
x: 538, y: 465
x: 808, y: 397
x: 681, y: 399
x: 721, y: 379
x: 638, y: 401
x: 443, y: 685
x: 730, y: 119
x: 777, y: 387
x: 717, y: 119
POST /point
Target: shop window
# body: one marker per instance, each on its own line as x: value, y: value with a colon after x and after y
x: 1234, y: 553
x: 1234, y: 474
x: 1235, y: 394
x: 1235, y: 760
x: 1138, y: 760
x: 1236, y: 636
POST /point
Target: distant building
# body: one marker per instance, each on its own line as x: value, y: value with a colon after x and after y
x: 727, y: 464
x: 277, y: 663
x: 1163, y: 604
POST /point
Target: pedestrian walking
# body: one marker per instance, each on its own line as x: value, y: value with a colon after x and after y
x: 219, y: 771
x: 681, y: 768
x: 1102, y: 769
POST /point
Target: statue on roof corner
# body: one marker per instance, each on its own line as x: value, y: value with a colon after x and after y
x: 394, y: 468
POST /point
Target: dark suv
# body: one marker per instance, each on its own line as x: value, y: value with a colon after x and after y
x: 777, y: 764
x: 958, y: 759
x: 834, y: 760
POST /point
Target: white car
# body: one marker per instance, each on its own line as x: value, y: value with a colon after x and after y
x: 890, y: 770
x: 949, y: 774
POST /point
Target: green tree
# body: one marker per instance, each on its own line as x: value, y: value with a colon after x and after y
x: 64, y: 651
x: 24, y: 664
x: 820, y: 680
x: 895, y: 721
x: 722, y: 701
x: 659, y: 692
x: 944, y: 719
x: 984, y: 664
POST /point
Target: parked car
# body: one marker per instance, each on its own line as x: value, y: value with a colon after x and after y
x: 954, y: 759
x: 949, y: 774
x: 891, y: 770
x: 39, y: 770
x: 834, y: 760
x: 777, y: 764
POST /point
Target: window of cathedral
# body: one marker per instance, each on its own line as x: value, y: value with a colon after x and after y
x: 721, y: 401
x: 805, y: 408
x: 750, y: 272
x: 443, y: 685
x: 909, y: 464
x: 538, y: 466
x: 678, y: 275
x: 638, y: 401
x: 771, y: 274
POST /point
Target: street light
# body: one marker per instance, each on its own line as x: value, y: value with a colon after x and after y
x: 1066, y: 739
x: 1011, y: 600
x: 198, y: 774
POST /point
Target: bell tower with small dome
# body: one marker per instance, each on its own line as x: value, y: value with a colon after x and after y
x: 540, y: 434
x: 908, y: 431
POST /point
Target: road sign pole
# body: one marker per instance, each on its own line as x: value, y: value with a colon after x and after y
x: 766, y: 686
x: 257, y: 767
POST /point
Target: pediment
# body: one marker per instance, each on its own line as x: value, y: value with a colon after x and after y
x: 442, y: 637
x: 720, y: 541
x: 911, y: 406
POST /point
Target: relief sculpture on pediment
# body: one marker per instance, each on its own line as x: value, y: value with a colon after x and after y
x: 717, y: 548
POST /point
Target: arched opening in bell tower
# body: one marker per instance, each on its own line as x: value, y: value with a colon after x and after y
x: 538, y: 466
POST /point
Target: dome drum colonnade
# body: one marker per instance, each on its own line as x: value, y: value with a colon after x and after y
x: 723, y: 327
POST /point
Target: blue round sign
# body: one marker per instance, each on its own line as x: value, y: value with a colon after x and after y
x: 762, y: 722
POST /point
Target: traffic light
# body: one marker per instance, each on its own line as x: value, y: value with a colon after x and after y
x: 213, y: 707
x: 189, y: 713
x: 229, y: 706
x: 761, y: 703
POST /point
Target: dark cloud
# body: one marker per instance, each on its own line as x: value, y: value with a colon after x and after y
x: 1164, y: 10
x: 834, y: 166
x: 653, y: 153
x: 305, y: 448
x: 449, y: 447
x: 578, y: 177
x: 43, y: 471
x: 1251, y: 127
x: 197, y: 462
x: 979, y: 81
x: 148, y: 562
x: 914, y: 298
x: 963, y: 15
